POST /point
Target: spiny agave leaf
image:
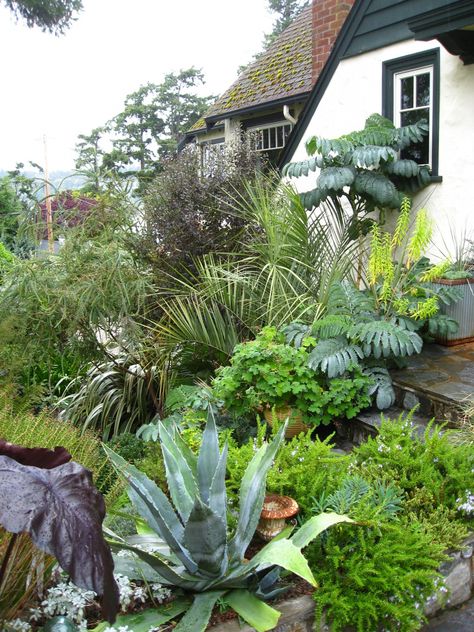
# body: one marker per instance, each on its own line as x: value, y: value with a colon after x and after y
x: 335, y: 178
x: 284, y: 553
x: 208, y: 457
x: 218, y: 495
x: 257, y: 613
x: 313, y: 527
x: 160, y: 564
x: 266, y: 586
x: 154, y: 507
x: 252, y: 493
x: 198, y: 615
x: 178, y: 472
x: 371, y: 155
x: 185, y: 450
x: 62, y: 512
x: 205, y: 538
x: 376, y: 185
x: 404, y: 168
x: 334, y: 356
x: 183, y: 497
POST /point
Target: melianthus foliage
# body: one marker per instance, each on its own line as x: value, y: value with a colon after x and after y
x: 195, y: 551
x: 363, y: 167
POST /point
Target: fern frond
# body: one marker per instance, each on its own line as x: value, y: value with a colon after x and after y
x: 334, y: 356
x: 295, y: 333
x: 382, y: 386
x: 383, y: 339
x: 331, y: 326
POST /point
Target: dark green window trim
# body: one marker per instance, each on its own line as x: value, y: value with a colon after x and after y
x: 411, y: 62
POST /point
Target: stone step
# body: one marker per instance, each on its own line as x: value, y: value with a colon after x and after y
x: 367, y: 423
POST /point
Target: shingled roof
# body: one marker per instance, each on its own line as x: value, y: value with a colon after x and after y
x: 282, y: 71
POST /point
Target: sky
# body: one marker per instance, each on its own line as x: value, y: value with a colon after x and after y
x: 67, y: 85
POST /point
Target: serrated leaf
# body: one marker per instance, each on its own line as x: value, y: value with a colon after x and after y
x: 255, y: 612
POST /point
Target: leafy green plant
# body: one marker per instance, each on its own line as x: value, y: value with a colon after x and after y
x: 201, y: 558
x: 113, y: 397
x: 379, y: 576
x: 431, y: 462
x: 268, y: 373
x: 363, y: 168
x: 304, y: 468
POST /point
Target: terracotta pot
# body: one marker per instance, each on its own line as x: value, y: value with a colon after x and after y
x: 276, y: 509
x: 295, y: 424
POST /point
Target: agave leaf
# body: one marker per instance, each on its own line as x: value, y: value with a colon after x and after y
x: 282, y: 553
x: 154, y: 507
x: 218, y: 496
x: 315, y: 526
x: 160, y: 564
x: 208, y: 457
x: 150, y: 618
x: 205, y: 537
x: 136, y: 569
x: 257, y: 613
x: 252, y: 493
x: 185, y: 450
x: 198, y: 615
x: 182, y: 484
x: 183, y: 499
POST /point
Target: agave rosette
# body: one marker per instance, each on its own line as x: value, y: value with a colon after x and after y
x: 197, y: 553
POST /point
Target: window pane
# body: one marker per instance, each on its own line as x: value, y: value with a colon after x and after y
x: 419, y: 152
x: 406, y: 93
x: 423, y: 89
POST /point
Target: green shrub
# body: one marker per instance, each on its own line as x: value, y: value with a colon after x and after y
x: 431, y: 462
x: 376, y: 576
x: 129, y: 446
x: 304, y: 468
x: 267, y: 373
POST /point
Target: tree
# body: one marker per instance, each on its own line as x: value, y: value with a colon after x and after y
x: 53, y: 16
x: 149, y: 127
x: 286, y: 11
x: 10, y: 213
x: 91, y: 158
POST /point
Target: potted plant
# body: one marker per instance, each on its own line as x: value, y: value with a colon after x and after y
x: 459, y: 276
x: 268, y: 376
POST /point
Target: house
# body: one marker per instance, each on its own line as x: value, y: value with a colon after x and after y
x: 268, y: 97
x: 405, y: 59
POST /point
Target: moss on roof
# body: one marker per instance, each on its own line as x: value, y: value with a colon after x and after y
x: 283, y: 70
x: 198, y: 125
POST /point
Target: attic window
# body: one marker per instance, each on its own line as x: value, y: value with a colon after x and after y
x: 270, y: 137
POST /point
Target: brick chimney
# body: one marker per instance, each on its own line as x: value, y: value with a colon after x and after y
x: 328, y: 18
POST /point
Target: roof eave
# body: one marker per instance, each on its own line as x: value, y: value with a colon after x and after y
x: 258, y: 107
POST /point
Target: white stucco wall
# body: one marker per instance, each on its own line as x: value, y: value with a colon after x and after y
x: 355, y: 92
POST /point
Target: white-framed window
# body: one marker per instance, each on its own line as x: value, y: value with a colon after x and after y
x: 413, y: 101
x: 410, y: 92
x: 271, y: 136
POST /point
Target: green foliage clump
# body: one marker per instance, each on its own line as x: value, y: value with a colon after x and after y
x: 431, y: 462
x: 363, y: 168
x: 304, y: 468
x: 267, y: 373
x: 128, y: 446
x: 379, y: 575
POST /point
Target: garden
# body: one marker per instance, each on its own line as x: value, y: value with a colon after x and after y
x: 173, y: 383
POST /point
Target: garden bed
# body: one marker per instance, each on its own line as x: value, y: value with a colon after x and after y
x: 298, y: 613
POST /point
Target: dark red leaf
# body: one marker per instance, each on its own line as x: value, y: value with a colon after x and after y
x: 63, y: 513
x: 37, y: 457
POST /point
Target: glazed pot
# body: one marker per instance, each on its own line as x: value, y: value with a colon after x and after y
x: 276, y: 509
x: 295, y: 423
